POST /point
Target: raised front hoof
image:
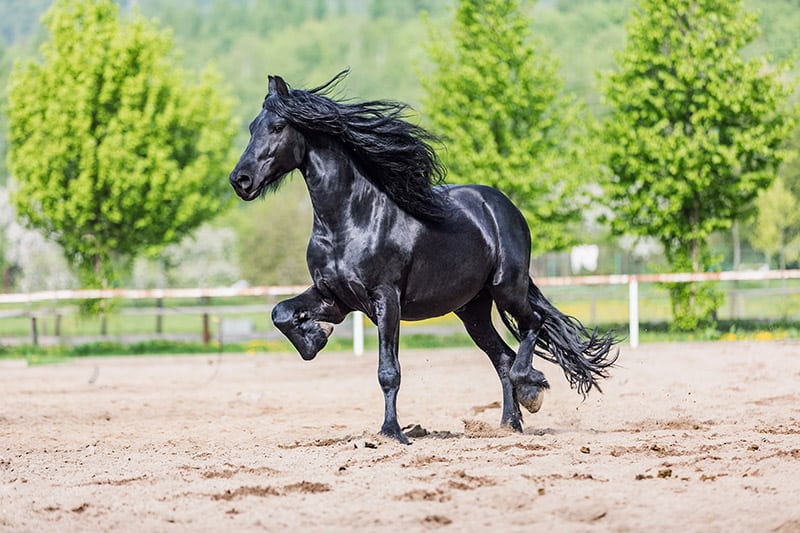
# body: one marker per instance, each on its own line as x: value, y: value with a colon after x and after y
x: 530, y: 396
x: 394, y: 434
x: 308, y: 350
x: 310, y: 338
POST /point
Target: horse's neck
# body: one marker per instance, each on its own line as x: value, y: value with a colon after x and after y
x: 336, y: 184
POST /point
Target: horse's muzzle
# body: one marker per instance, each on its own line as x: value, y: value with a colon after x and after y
x: 242, y: 184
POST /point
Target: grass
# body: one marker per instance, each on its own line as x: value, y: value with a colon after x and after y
x: 649, y: 332
x: 35, y: 355
x: 597, y: 304
x: 75, y: 324
x: 769, y: 310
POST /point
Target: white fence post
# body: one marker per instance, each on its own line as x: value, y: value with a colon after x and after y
x: 358, y: 333
x: 633, y: 311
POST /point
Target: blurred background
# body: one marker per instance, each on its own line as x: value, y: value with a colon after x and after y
x: 391, y: 50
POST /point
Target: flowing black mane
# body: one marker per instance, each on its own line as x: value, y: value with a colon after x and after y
x: 397, y: 156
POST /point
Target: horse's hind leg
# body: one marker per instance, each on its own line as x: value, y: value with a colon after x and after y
x: 477, y: 318
x: 529, y: 383
x: 307, y: 321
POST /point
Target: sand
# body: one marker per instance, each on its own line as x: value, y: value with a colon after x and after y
x: 686, y: 437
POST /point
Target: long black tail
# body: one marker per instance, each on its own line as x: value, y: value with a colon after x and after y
x: 584, y: 355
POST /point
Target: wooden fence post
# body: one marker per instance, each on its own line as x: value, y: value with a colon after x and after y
x: 34, y: 332
x: 206, y: 331
x: 159, y: 324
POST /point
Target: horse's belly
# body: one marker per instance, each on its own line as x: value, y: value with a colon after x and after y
x: 438, y: 287
x: 419, y: 310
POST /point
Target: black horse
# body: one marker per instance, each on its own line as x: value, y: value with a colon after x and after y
x: 390, y: 240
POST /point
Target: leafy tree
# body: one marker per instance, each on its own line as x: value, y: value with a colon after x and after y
x: 249, y: 39
x: 694, y: 134
x: 496, y: 100
x: 777, y: 227
x: 790, y: 169
x: 114, y: 150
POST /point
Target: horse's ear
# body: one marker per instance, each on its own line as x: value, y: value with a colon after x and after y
x: 277, y: 86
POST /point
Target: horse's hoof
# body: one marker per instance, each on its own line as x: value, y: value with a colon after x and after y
x: 310, y: 337
x: 515, y: 425
x: 530, y: 397
x: 326, y: 327
x: 397, y: 435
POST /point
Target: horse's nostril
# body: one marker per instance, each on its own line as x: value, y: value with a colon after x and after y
x: 244, y: 181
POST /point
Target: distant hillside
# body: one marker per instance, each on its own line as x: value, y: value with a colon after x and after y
x: 380, y: 40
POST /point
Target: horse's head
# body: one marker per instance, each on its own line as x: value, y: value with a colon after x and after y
x: 274, y: 150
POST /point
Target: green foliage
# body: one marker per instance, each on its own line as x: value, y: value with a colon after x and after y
x: 694, y: 133
x: 114, y: 149
x: 381, y: 40
x: 496, y: 100
x: 777, y: 226
x: 694, y: 305
x: 59, y: 353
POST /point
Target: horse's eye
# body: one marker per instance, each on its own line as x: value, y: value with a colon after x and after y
x: 276, y: 128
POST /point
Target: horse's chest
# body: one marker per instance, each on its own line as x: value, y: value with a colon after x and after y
x: 350, y: 268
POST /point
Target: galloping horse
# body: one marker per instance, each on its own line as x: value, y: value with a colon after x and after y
x: 390, y: 240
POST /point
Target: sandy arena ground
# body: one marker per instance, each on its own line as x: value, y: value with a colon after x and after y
x: 687, y: 437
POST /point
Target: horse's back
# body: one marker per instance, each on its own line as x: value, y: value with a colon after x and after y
x: 484, y: 241
x: 488, y: 206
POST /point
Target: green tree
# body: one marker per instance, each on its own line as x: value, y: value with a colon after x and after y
x: 496, y: 100
x: 694, y: 134
x: 114, y: 150
x: 776, y: 230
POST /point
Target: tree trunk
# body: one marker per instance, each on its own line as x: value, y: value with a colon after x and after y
x: 695, y: 240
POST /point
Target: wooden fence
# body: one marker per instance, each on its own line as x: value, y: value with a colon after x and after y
x: 158, y: 295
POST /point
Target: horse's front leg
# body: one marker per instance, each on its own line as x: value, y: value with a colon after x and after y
x: 387, y: 318
x: 307, y: 321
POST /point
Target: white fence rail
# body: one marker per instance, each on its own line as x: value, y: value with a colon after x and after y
x: 632, y: 280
